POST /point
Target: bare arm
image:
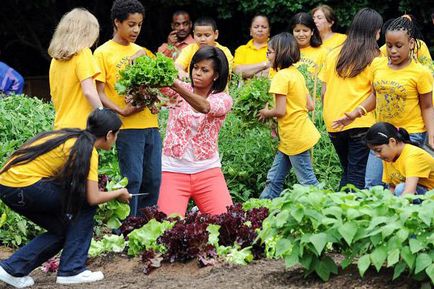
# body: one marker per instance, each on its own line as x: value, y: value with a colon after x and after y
x: 95, y: 196
x: 128, y: 109
x: 198, y: 102
x: 426, y: 107
x: 89, y: 91
x: 310, y: 103
x: 410, y: 185
x: 250, y: 70
x: 182, y: 74
x: 278, y: 111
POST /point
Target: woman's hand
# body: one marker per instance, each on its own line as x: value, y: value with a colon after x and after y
x: 124, y: 196
x: 344, y: 121
x: 263, y: 114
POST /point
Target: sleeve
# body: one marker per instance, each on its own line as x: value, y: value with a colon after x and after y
x: 87, y: 65
x: 149, y: 52
x: 322, y: 75
x: 279, y: 84
x: 424, y: 81
x: 239, y: 57
x: 424, y: 56
x: 383, y: 50
x: 220, y: 104
x: 184, y: 57
x: 99, y: 57
x: 386, y: 174
x: 17, y: 82
x: 416, y: 166
x: 93, y: 170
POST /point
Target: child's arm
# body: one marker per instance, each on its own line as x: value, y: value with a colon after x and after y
x: 250, y: 70
x: 89, y: 91
x: 95, y: 196
x: 426, y: 107
x: 129, y: 109
x: 310, y: 104
x: 279, y: 109
x: 410, y: 185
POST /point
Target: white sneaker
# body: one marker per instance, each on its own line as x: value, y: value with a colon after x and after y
x: 84, y: 277
x: 17, y: 282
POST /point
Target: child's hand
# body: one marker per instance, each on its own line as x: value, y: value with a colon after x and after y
x: 139, y: 53
x: 263, y: 114
x: 124, y: 196
x: 344, y: 121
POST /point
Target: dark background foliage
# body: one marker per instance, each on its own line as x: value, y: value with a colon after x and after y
x: 26, y: 26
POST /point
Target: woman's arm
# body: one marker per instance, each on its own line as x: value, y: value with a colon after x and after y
x: 89, y: 91
x: 198, y: 102
x: 250, y: 70
x: 278, y: 111
x: 182, y: 74
x: 426, y: 107
x: 95, y: 196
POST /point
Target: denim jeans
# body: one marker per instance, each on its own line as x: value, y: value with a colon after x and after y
x: 353, y: 154
x: 139, y: 153
x: 279, y: 170
x: 374, y: 167
x: 41, y: 204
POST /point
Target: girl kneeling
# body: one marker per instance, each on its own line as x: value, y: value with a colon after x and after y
x: 53, y: 181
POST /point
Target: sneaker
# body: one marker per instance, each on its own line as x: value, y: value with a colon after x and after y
x: 84, y: 277
x: 17, y: 282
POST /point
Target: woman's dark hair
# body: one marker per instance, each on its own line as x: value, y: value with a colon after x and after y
x: 121, y: 9
x: 306, y: 20
x: 260, y: 15
x: 329, y: 14
x: 286, y: 48
x: 72, y: 177
x: 408, y: 26
x: 205, y: 21
x: 381, y: 132
x: 360, y: 47
x: 219, y: 62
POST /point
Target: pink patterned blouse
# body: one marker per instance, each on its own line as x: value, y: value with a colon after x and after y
x: 179, y: 134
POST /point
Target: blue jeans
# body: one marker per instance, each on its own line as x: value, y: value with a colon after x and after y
x: 139, y: 153
x: 279, y: 170
x: 353, y: 154
x: 374, y: 167
x: 41, y: 204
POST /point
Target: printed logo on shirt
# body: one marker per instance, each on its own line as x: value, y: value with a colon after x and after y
x: 391, y: 97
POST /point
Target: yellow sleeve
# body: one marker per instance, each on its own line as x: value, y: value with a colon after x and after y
x: 99, y: 56
x: 383, y: 50
x: 423, y: 55
x: 185, y: 56
x: 425, y: 81
x: 240, y: 55
x: 279, y: 84
x: 386, y: 174
x: 149, y: 52
x: 93, y: 170
x: 87, y: 66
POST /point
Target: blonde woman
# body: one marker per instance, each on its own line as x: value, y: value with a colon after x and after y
x: 73, y: 69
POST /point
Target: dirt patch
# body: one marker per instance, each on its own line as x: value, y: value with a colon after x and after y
x: 123, y: 272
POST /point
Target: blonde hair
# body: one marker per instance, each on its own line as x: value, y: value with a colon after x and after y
x: 78, y: 29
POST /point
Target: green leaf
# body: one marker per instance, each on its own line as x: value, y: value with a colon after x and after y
x: 348, y: 231
x: 422, y: 261
x: 408, y: 257
x: 430, y: 272
x: 363, y: 264
x: 378, y: 257
x: 415, y: 245
x: 393, y: 257
x: 113, y: 223
x: 214, y: 233
x: 306, y: 261
x: 323, y: 269
x: 425, y: 214
x: 298, y: 214
x: 291, y: 259
x: 319, y: 241
x: 281, y: 219
x: 283, y: 246
x: 3, y: 219
x: 399, y: 268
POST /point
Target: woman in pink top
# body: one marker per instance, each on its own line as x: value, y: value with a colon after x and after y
x: 191, y: 163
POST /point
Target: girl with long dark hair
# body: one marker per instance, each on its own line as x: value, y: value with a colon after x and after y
x: 53, y: 181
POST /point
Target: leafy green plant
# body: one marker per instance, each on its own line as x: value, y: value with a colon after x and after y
x: 142, y: 79
x: 109, y: 243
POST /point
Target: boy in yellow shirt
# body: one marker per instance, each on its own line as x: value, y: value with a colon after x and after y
x: 205, y: 33
x: 139, y: 142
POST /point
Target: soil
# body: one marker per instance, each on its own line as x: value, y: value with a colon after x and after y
x: 123, y: 272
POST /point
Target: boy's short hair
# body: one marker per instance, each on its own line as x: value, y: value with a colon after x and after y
x: 122, y: 8
x: 205, y: 21
x: 220, y: 65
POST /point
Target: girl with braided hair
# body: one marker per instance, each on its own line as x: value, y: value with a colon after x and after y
x: 402, y: 93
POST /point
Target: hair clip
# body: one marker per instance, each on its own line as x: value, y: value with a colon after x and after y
x: 382, y: 134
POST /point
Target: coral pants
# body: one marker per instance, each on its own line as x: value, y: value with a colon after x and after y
x: 208, y: 189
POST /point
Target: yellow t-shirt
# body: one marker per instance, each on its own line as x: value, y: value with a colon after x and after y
x: 45, y: 166
x: 413, y: 162
x: 344, y: 94
x: 113, y: 57
x: 423, y: 55
x: 71, y: 106
x: 187, y: 53
x: 334, y: 41
x: 249, y: 54
x: 398, y: 93
x: 313, y: 57
x: 297, y: 133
